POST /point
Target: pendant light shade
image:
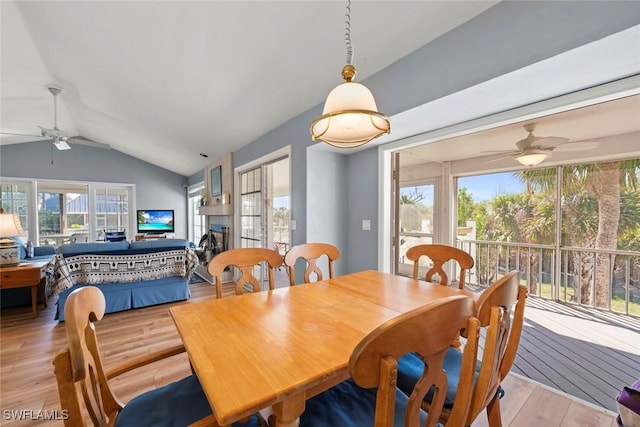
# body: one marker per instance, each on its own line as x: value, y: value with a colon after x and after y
x: 350, y: 117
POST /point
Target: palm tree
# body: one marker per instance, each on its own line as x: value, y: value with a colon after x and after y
x: 607, y: 182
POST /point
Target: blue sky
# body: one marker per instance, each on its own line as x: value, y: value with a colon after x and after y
x: 486, y: 187
x: 281, y: 202
x: 481, y: 187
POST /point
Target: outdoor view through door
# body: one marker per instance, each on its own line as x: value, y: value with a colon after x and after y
x: 264, y: 206
x: 416, y: 221
x: 583, y: 250
x: 572, y: 231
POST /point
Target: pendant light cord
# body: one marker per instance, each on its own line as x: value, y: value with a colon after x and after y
x: 347, y: 34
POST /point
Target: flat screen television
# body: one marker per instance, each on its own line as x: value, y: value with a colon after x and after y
x: 154, y: 221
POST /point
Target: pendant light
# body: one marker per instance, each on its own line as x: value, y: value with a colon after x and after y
x: 350, y: 117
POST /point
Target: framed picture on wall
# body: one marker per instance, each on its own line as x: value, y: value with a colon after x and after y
x: 216, y: 181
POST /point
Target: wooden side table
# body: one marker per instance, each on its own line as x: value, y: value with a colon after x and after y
x: 26, y: 275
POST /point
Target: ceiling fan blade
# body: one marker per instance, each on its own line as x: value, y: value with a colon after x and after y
x: 80, y: 140
x: 498, y: 151
x: 577, y: 146
x: 549, y: 141
x: 53, y: 133
x: 19, y: 134
x: 502, y: 158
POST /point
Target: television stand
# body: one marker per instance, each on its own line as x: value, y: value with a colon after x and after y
x: 150, y: 236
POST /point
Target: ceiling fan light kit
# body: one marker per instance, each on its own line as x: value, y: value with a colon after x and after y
x: 61, y: 144
x: 350, y: 117
x: 533, y: 157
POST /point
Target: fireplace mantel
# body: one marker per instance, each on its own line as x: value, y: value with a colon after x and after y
x: 220, y: 209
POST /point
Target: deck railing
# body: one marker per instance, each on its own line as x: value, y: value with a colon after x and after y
x: 603, y: 279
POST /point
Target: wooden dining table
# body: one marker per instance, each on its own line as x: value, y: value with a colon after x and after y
x: 280, y: 347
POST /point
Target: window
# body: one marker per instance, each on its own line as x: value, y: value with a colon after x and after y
x: 416, y: 221
x: 197, y: 226
x: 251, y: 209
x: 112, y: 209
x: 592, y: 259
x: 15, y: 199
x: 51, y: 211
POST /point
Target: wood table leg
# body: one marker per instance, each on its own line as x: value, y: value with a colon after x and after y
x: 34, y: 299
x: 41, y: 288
x: 288, y: 411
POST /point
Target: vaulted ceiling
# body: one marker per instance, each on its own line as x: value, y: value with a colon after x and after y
x: 165, y: 81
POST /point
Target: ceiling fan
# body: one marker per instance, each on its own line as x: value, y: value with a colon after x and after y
x: 533, y: 150
x: 58, y: 138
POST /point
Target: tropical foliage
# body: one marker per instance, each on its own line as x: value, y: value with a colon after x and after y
x: 599, y: 210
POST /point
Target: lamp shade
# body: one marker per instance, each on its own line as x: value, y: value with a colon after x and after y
x: 9, y: 227
x: 533, y: 157
x: 350, y: 117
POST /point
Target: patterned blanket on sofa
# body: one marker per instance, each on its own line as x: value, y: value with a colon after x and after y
x: 95, y: 269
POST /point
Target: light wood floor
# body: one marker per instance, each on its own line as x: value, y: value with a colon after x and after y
x: 27, y: 347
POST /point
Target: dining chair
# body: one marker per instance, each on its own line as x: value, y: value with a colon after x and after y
x: 501, y: 344
x: 245, y: 259
x: 83, y: 383
x: 440, y: 254
x: 310, y: 252
x: 370, y: 397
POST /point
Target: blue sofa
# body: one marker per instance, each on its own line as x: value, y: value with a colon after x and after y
x: 131, y: 275
x: 22, y: 296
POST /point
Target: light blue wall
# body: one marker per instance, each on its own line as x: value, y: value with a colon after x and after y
x: 156, y: 188
x: 326, y: 201
x: 362, y: 203
x: 505, y: 38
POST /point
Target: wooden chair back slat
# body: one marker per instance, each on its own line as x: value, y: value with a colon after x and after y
x: 83, y: 385
x: 245, y: 259
x: 79, y: 368
x: 310, y: 252
x: 500, y: 309
x: 440, y: 254
x: 427, y: 331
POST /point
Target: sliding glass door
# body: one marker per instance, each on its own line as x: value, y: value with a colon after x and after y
x: 264, y: 207
x: 63, y: 210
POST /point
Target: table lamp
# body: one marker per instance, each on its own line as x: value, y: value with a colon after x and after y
x: 9, y: 227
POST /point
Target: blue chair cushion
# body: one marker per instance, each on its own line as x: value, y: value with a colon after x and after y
x: 175, y: 405
x: 410, y: 369
x: 347, y: 404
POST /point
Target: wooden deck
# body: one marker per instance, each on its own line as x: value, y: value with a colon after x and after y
x: 586, y: 353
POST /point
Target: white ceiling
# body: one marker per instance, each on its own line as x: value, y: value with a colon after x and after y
x: 164, y: 81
